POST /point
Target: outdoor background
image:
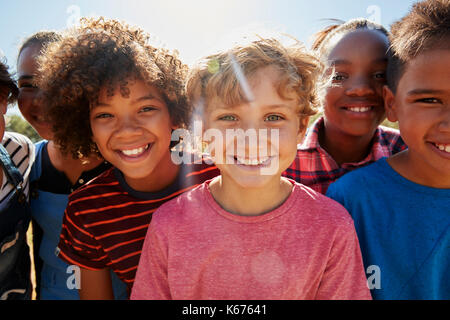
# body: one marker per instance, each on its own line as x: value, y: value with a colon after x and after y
x: 193, y: 27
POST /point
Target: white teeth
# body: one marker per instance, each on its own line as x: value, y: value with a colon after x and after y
x: 363, y: 109
x: 252, y: 162
x: 443, y: 147
x: 134, y: 152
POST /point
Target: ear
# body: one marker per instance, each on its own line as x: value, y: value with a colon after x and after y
x: 389, y: 104
x: 304, y: 121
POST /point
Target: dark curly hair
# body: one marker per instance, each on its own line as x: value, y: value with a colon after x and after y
x: 98, y: 54
x: 8, y: 86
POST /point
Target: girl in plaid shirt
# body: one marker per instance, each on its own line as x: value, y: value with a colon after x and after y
x: 348, y: 135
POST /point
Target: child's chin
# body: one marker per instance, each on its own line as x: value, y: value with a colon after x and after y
x: 255, y: 182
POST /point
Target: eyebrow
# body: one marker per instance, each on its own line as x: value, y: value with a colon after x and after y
x: 346, y: 62
x: 270, y: 106
x: 26, y: 77
x: 424, y: 91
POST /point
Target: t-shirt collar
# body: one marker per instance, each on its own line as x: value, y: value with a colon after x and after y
x: 311, y: 141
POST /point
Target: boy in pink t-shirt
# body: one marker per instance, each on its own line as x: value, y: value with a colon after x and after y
x: 250, y: 233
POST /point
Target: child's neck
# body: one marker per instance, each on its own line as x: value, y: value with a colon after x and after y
x: 249, y: 201
x: 413, y: 168
x: 72, y: 168
x: 345, y: 148
x: 160, y: 178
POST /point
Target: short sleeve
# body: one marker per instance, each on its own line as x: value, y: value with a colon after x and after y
x: 344, y: 277
x: 22, y: 154
x: 77, y: 246
x: 151, y: 281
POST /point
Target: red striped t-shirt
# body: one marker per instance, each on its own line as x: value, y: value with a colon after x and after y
x: 106, y: 221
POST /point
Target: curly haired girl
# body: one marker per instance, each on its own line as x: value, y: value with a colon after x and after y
x: 110, y: 93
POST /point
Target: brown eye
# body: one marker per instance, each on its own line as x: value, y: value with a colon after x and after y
x: 379, y: 75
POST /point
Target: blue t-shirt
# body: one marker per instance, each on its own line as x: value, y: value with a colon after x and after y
x: 58, y: 279
x: 403, y: 230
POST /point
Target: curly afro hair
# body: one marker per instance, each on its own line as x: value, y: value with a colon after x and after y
x: 103, y: 54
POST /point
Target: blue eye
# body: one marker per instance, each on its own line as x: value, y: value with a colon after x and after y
x: 273, y: 117
x: 228, y: 117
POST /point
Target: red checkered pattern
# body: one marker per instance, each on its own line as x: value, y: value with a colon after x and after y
x: 315, y: 168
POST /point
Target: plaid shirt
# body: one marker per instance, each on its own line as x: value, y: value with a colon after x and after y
x: 315, y: 168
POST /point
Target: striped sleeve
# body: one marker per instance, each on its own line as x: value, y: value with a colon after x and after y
x: 77, y: 246
x: 22, y: 153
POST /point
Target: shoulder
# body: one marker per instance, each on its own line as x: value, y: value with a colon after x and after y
x: 361, y: 176
x: 184, y: 207
x: 321, y: 210
x: 106, y: 182
x: 362, y: 184
x: 12, y: 140
x: 20, y: 149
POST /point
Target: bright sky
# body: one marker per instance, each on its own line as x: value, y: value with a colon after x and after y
x: 192, y: 27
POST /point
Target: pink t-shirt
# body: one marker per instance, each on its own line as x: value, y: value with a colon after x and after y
x: 305, y: 249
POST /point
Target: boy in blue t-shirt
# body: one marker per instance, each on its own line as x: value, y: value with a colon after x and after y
x: 401, y: 205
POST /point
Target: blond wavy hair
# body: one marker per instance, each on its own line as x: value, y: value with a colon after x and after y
x: 214, y: 77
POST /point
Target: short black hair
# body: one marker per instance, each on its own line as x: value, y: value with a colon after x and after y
x: 425, y: 27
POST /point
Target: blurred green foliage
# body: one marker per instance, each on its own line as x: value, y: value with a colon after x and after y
x: 16, y: 123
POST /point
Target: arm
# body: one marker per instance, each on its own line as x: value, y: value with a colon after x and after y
x: 151, y: 281
x: 344, y: 277
x: 77, y: 247
x: 96, y: 285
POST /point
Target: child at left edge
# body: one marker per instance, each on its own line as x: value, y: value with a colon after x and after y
x: 16, y: 159
x: 250, y: 233
x: 120, y: 98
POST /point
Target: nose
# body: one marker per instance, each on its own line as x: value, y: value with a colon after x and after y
x: 360, y: 87
x: 251, y: 139
x: 444, y: 124
x: 128, y: 127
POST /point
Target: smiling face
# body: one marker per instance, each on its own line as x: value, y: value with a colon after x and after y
x: 134, y: 133
x: 422, y: 107
x: 354, y: 102
x: 255, y: 161
x: 28, y: 100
